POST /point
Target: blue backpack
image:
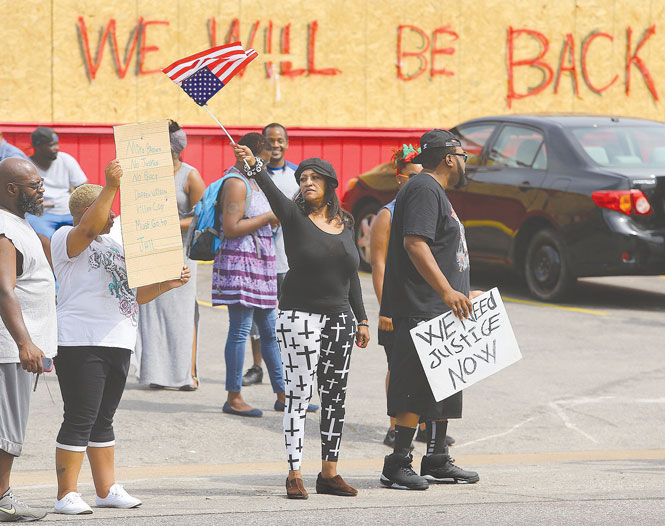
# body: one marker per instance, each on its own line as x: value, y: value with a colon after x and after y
x: 204, y: 240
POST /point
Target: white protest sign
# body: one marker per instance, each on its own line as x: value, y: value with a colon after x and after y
x: 456, y: 354
x: 148, y: 208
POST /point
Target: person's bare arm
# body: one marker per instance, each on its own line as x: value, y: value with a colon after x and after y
x: 96, y: 216
x: 234, y: 192
x: 148, y: 293
x: 194, y: 189
x: 423, y: 259
x: 378, y: 248
x: 10, y: 310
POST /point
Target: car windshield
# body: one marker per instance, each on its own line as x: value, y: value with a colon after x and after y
x: 623, y: 146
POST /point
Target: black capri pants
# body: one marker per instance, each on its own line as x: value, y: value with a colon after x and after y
x: 92, y: 380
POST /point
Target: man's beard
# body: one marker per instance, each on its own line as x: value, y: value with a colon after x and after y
x: 30, y: 205
x: 461, y: 175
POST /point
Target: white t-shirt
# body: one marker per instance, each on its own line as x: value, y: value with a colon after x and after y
x: 35, y: 290
x: 116, y: 231
x: 63, y: 173
x: 284, y: 179
x: 96, y: 307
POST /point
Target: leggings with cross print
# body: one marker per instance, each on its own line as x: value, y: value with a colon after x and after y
x: 314, y: 345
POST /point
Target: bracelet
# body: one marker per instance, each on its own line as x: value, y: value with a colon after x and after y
x: 256, y: 170
x: 363, y: 324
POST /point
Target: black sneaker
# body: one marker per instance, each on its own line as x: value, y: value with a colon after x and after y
x: 398, y: 473
x: 439, y: 469
x: 254, y: 375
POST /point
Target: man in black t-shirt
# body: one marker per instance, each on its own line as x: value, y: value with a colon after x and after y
x: 427, y: 274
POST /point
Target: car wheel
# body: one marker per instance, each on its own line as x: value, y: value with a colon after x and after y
x: 363, y: 220
x: 546, y: 269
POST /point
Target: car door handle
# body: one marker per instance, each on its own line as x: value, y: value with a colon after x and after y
x: 526, y: 185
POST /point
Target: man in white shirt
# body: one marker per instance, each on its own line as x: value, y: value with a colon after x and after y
x: 61, y: 174
x: 28, y: 329
x: 282, y: 173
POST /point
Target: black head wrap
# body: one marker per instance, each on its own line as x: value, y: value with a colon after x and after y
x: 321, y: 167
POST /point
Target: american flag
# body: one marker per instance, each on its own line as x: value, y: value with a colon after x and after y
x: 203, y: 74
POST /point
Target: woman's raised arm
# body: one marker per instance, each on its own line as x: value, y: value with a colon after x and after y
x: 281, y: 205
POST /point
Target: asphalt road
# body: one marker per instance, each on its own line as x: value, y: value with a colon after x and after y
x: 572, y: 433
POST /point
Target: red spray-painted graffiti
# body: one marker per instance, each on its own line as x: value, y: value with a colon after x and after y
x: 586, y: 44
x: 286, y: 68
x: 138, y: 34
x: 431, y: 53
x: 137, y: 44
x: 426, y: 45
x: 568, y: 65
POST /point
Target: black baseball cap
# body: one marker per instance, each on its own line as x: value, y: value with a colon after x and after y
x: 321, y: 167
x: 43, y: 135
x: 436, y: 138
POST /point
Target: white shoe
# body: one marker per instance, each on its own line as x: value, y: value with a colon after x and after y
x: 72, y: 504
x: 118, y: 498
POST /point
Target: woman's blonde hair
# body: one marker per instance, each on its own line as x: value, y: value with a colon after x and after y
x: 82, y: 198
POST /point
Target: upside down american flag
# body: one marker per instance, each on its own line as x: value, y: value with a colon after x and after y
x: 203, y: 74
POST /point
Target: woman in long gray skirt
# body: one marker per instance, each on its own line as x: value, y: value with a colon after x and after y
x: 167, y: 335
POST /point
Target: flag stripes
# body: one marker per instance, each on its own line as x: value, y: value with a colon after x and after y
x: 225, y: 70
x: 182, y: 69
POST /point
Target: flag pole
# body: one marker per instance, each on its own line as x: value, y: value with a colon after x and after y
x: 205, y: 107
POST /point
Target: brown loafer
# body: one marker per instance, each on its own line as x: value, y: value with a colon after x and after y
x: 295, y: 489
x: 334, y: 486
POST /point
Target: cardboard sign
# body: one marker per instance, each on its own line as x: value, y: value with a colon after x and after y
x: 148, y: 208
x: 456, y: 354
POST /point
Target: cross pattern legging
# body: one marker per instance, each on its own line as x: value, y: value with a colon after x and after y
x: 314, y: 345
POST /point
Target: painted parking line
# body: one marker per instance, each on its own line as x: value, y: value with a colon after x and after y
x: 25, y: 479
x: 204, y: 303
x: 208, y: 304
x: 551, y: 306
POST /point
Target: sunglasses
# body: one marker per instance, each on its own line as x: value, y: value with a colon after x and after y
x: 34, y: 186
x: 464, y: 155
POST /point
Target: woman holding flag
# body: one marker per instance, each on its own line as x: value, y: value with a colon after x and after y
x: 320, y: 302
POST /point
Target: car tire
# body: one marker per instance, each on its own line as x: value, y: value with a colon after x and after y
x: 363, y: 219
x: 546, y: 269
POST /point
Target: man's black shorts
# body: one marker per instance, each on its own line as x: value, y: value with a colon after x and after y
x: 387, y: 340
x: 408, y: 389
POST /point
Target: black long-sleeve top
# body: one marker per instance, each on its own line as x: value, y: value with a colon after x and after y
x: 323, y: 267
